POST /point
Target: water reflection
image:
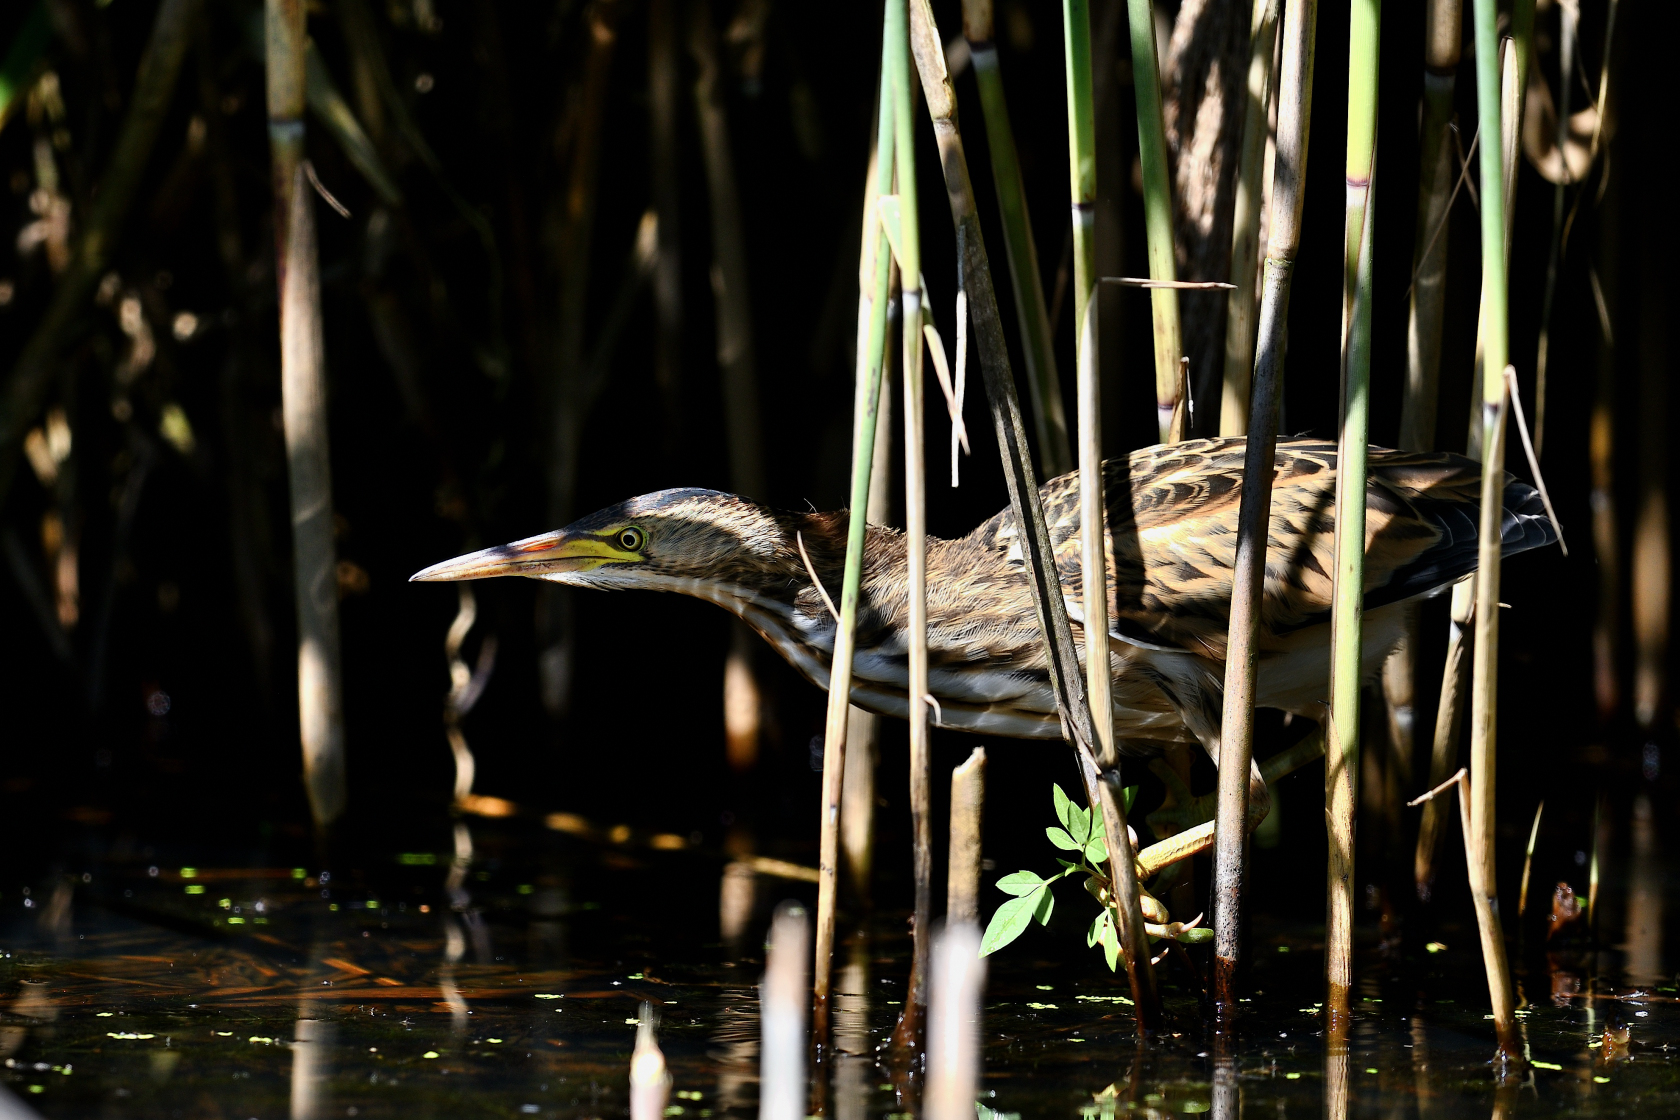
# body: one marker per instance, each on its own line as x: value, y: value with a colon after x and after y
x: 312, y: 1043
x: 853, y: 1052
x: 1645, y: 904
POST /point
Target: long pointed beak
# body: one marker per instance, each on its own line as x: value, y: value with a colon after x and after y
x: 545, y: 556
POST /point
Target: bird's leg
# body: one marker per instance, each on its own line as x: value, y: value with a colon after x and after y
x: 1182, y: 811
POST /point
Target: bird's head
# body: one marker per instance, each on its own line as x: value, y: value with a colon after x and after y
x: 697, y: 541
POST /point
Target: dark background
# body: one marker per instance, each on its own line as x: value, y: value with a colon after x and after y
x: 89, y: 767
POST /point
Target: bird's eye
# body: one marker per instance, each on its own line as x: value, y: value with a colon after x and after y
x: 631, y: 539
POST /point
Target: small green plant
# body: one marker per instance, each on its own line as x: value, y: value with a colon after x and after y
x: 1080, y: 832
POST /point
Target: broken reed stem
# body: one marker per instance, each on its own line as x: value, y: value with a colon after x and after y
x: 1026, y: 505
x: 154, y: 85
x: 1528, y: 861
x: 1157, y: 221
x: 872, y: 318
x: 781, y: 1001
x: 915, y: 512
x: 953, y: 1059
x: 303, y: 403
x: 1033, y: 317
x: 1347, y: 610
x: 968, y: 800
x: 650, y: 1079
x: 1243, y: 304
x: 1484, y: 690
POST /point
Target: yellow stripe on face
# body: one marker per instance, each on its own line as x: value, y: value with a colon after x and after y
x: 582, y: 554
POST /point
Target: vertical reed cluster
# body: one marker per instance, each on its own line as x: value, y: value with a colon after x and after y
x: 876, y: 271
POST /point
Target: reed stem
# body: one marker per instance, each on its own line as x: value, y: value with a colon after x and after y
x: 878, y: 259
x: 968, y: 800
x: 1236, y: 751
x: 1347, y: 611
x: 1157, y: 222
x: 1026, y: 505
x: 915, y: 513
x: 1443, y: 46
x: 303, y: 402
x: 1289, y: 176
x: 1484, y: 689
x: 959, y: 980
x: 782, y: 1011
x: 1033, y: 317
x: 1242, y: 304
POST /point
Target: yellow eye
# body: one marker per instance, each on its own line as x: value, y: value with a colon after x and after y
x: 631, y: 539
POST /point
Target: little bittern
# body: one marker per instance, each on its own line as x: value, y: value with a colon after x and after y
x: 1172, y: 527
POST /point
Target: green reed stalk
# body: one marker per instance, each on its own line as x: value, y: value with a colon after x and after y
x: 1093, y: 534
x: 867, y: 404
x: 1157, y: 221
x: 1484, y: 691
x: 1101, y: 776
x: 915, y: 514
x: 1242, y: 304
x: 1032, y: 315
x: 26, y: 389
x: 1236, y: 748
x: 1346, y: 620
x: 1438, y: 172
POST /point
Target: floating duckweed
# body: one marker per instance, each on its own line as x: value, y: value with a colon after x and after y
x: 195, y: 888
x: 1601, y: 1081
x: 551, y: 995
x: 431, y: 1054
x: 1042, y: 1006
x: 127, y: 1035
x: 1292, y: 1077
x: 1545, y: 1065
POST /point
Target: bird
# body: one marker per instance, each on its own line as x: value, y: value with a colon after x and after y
x: 1171, y: 550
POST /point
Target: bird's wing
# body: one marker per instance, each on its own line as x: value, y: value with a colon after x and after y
x: 1172, y: 518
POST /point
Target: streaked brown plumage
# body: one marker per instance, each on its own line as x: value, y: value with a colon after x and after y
x: 1172, y: 520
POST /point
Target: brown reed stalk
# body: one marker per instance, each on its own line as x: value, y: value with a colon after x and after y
x: 968, y: 799
x: 1254, y: 512
x: 1437, y: 173
x: 736, y: 360
x: 1242, y: 304
x: 1101, y: 776
x: 303, y: 402
x: 31, y: 377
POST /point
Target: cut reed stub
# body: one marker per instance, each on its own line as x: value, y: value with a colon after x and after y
x: 782, y: 1003
x: 953, y: 1043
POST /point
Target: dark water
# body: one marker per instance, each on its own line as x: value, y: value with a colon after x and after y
x: 217, y: 992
